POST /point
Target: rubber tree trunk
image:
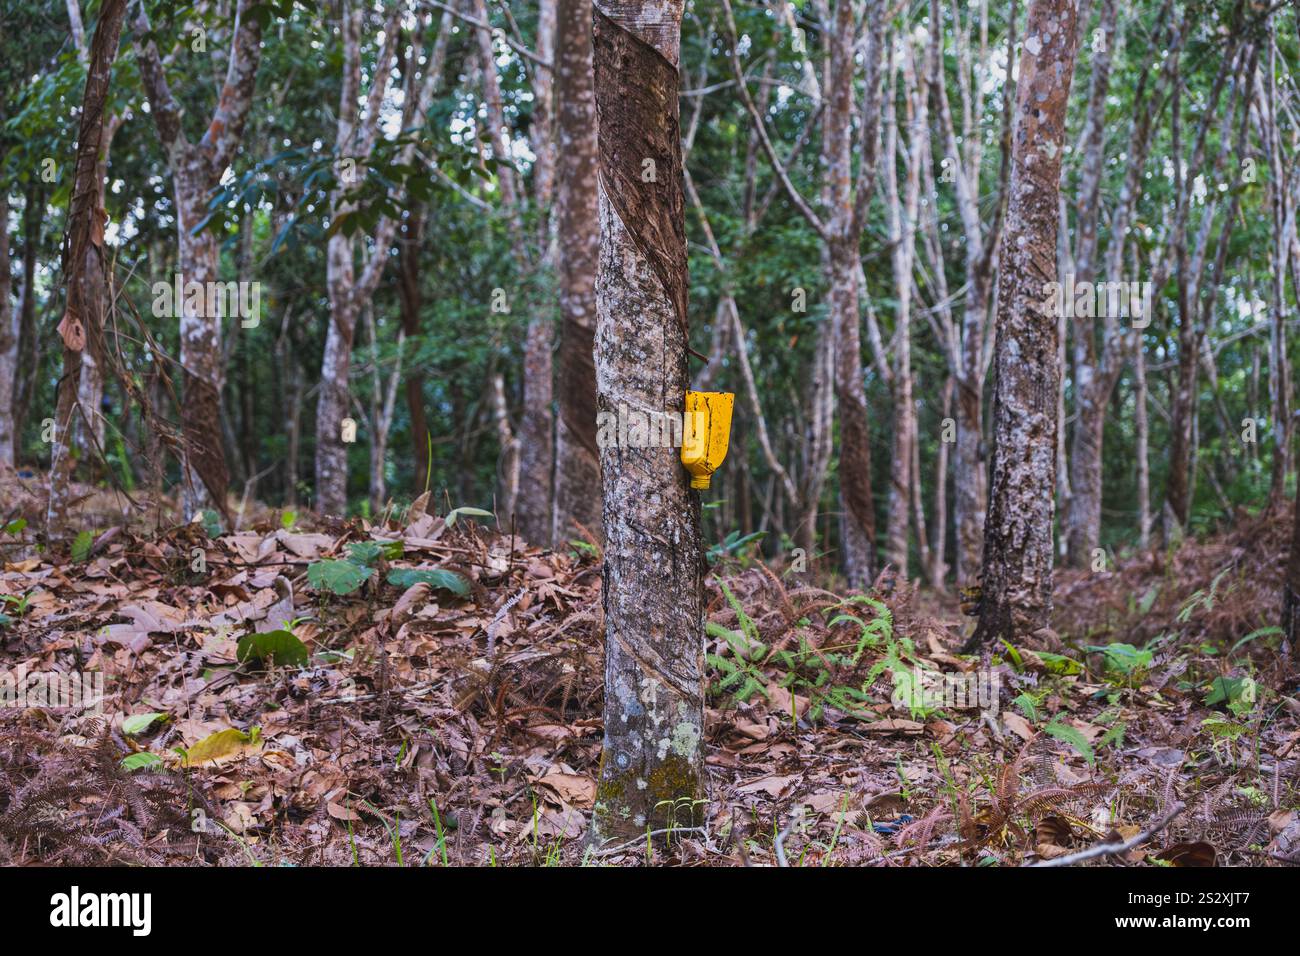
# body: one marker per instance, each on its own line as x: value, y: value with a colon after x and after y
x: 537, y: 422
x: 8, y: 344
x: 858, y: 514
x: 652, y: 771
x: 195, y: 169
x: 1017, y: 584
x: 85, y: 265
x: 1291, y: 590
x: 411, y: 299
x: 577, y: 460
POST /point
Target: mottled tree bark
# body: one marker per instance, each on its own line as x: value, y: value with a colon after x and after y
x: 537, y: 423
x: 901, y: 212
x: 966, y: 343
x: 196, y: 168
x: 29, y: 345
x: 88, y: 426
x: 352, y: 278
x: 347, y: 290
x: 858, y: 514
x: 84, y: 265
x: 652, y: 769
x: 1291, y: 587
x: 1017, y: 584
x: 1284, y: 225
x: 8, y: 344
x: 1142, y: 432
x: 577, y: 459
x: 409, y: 294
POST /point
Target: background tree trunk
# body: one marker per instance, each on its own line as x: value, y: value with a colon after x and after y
x: 1017, y: 584
x: 85, y: 266
x: 652, y: 770
x: 577, y: 459
x: 196, y: 168
x: 9, y: 424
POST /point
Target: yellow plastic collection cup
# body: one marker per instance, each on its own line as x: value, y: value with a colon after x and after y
x: 706, y: 430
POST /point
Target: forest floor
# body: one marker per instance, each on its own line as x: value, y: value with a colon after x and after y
x: 428, y: 691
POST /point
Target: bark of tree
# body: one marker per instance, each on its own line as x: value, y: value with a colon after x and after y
x: 537, y: 423
x: 410, y: 293
x: 901, y: 212
x: 652, y: 770
x: 195, y: 169
x: 1017, y: 582
x: 410, y: 297
x: 1284, y: 225
x: 1142, y: 434
x: 577, y: 459
x: 90, y: 392
x: 966, y: 345
x: 29, y: 345
x: 347, y: 290
x: 9, y: 424
x: 85, y: 265
x: 844, y: 229
x: 349, y: 286
x: 1291, y: 587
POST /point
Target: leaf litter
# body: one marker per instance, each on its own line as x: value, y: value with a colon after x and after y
x: 430, y: 692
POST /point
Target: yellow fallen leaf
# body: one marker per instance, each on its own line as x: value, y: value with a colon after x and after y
x: 231, y: 742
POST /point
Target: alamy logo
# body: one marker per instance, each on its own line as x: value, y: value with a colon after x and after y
x: 51, y: 690
x: 1127, y: 300
x: 209, y: 299
x: 134, y: 910
x: 919, y: 690
x: 634, y: 428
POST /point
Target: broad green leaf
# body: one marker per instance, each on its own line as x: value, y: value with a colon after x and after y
x: 280, y: 646
x: 434, y: 577
x: 365, y: 553
x: 340, y: 577
x: 1059, y: 663
x: 140, y: 761
x: 139, y: 723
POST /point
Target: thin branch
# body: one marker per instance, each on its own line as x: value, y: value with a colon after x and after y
x: 1111, y: 849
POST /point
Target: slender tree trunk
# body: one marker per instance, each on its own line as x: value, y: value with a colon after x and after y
x: 939, y: 541
x: 816, y: 444
x: 1017, y: 585
x: 902, y: 217
x: 9, y: 425
x: 411, y: 297
x: 196, y: 168
x: 508, y: 463
x: 970, y: 491
x: 1291, y: 588
x: 577, y: 459
x: 652, y: 768
x: 1142, y: 435
x: 354, y: 143
x: 857, y: 508
x: 537, y: 423
x: 85, y: 265
x: 29, y: 345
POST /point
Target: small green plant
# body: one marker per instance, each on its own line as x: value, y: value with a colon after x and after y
x: 441, y: 846
x: 277, y: 647
x: 81, y: 546
x: 456, y: 513
x: 735, y: 545
x: 1124, y: 662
